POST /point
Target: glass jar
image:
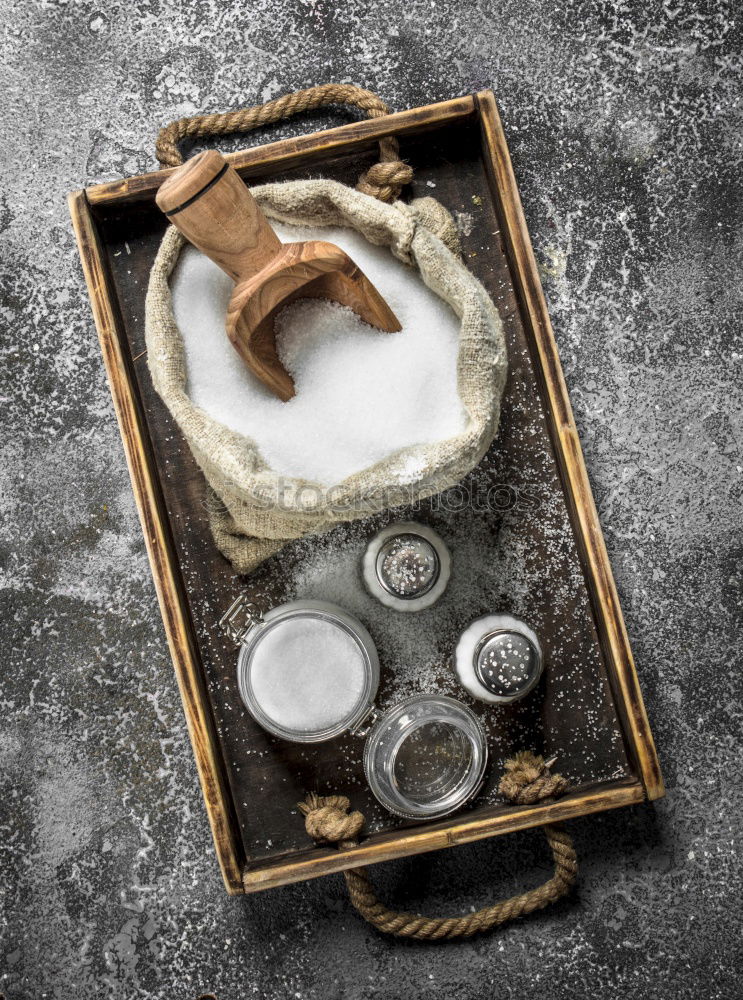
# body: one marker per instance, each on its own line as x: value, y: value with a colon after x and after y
x: 426, y: 757
x: 307, y: 671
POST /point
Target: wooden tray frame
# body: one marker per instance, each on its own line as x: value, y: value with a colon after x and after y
x: 647, y: 783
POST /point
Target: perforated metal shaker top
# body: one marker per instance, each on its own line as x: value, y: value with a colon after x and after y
x: 506, y: 662
x: 407, y: 566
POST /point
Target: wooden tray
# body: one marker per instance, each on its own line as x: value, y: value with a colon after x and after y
x: 534, y: 547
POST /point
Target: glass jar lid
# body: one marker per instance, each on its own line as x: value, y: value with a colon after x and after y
x: 498, y: 659
x: 426, y: 757
x: 406, y: 566
x: 308, y: 671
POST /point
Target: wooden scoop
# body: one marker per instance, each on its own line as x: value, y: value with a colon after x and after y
x: 215, y: 211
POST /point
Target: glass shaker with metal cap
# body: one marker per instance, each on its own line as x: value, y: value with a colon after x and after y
x: 498, y: 659
x: 308, y: 671
x: 406, y: 566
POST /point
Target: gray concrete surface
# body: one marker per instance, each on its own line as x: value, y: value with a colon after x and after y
x: 625, y: 125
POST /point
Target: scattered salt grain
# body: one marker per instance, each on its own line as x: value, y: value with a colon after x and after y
x: 362, y: 394
x: 307, y: 674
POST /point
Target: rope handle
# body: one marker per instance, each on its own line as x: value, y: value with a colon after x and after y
x: 384, y: 180
x: 527, y: 780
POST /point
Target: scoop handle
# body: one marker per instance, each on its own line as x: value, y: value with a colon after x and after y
x: 206, y: 200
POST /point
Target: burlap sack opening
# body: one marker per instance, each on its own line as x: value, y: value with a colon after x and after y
x: 253, y: 512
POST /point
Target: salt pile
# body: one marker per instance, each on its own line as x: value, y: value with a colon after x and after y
x: 307, y: 674
x: 362, y: 394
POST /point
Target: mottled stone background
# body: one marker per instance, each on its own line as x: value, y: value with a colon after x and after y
x: 625, y: 126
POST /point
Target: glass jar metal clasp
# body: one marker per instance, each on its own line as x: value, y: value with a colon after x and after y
x: 241, y: 616
x: 365, y: 724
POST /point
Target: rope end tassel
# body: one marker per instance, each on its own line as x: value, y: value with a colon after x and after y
x: 527, y: 779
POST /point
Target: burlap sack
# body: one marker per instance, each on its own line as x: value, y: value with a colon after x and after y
x: 252, y: 511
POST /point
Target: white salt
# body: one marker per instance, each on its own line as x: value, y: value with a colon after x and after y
x: 362, y: 394
x: 307, y: 674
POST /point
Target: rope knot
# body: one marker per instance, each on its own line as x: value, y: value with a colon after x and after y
x: 326, y: 818
x: 528, y: 779
x: 385, y: 180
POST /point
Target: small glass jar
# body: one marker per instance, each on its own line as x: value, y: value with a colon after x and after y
x: 308, y: 671
x: 426, y: 757
x: 498, y: 659
x: 406, y: 566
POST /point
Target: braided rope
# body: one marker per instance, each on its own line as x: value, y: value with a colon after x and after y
x: 384, y: 180
x: 527, y: 780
